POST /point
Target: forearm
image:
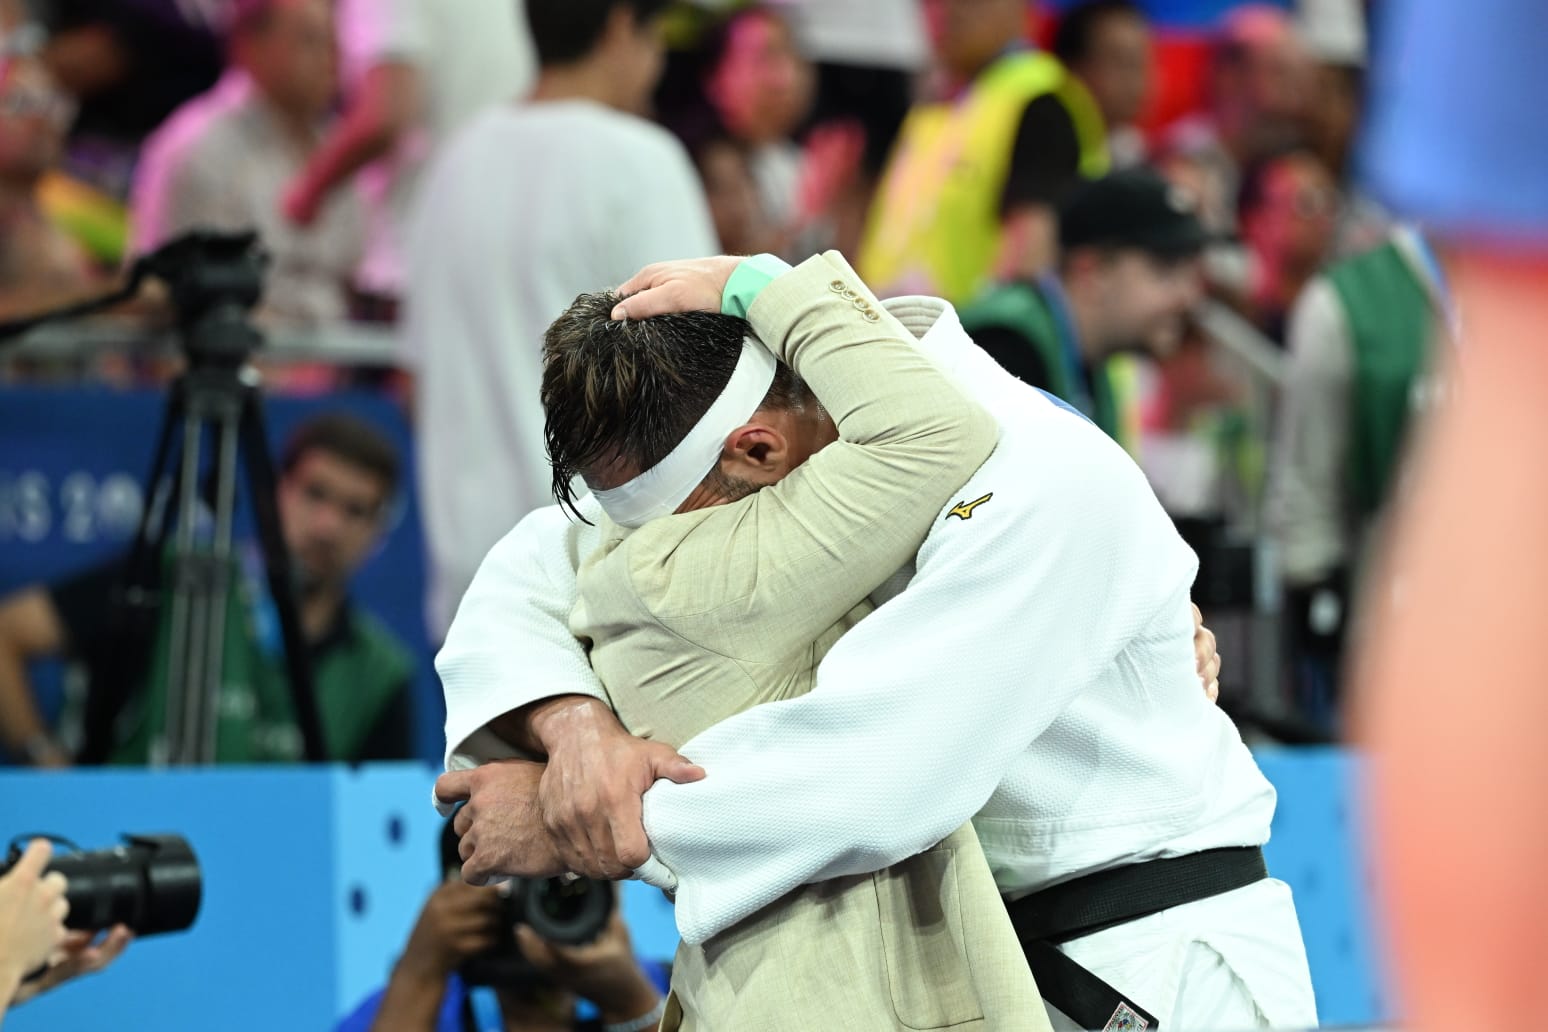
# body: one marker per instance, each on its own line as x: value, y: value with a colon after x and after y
x: 536, y: 728
x: 510, y: 647
x: 21, y: 725
x: 412, y: 1002
x: 356, y: 143
x: 632, y: 998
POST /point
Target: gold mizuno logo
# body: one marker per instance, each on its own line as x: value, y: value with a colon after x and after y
x: 965, y: 509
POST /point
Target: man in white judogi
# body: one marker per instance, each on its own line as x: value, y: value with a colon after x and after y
x: 1036, y: 674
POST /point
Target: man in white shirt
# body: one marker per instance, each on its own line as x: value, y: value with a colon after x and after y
x: 1035, y: 674
x: 415, y: 71
x: 223, y: 160
x: 531, y: 205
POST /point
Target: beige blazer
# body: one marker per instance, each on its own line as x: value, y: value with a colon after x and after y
x: 694, y: 617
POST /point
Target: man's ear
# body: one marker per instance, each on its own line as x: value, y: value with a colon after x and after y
x: 756, y: 451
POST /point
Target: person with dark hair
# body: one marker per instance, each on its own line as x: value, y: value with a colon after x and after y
x: 460, y: 924
x: 414, y: 72
x: 1288, y: 210
x: 1030, y: 669
x: 1128, y: 274
x: 1258, y: 88
x: 731, y: 603
x: 1106, y: 43
x: 337, y: 479
x: 761, y: 86
x: 731, y: 192
x: 222, y: 161
x: 530, y: 205
x: 971, y: 192
x: 40, y: 265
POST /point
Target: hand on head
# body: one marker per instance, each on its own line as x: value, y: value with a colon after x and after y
x: 690, y: 285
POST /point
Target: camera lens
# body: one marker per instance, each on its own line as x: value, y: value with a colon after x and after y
x: 571, y: 913
x: 152, y: 884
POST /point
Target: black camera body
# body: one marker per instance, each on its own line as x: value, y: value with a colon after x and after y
x: 567, y: 912
x: 151, y: 883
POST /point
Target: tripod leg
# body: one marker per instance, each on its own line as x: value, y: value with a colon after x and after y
x: 136, y: 601
x: 185, y: 661
x: 277, y: 563
x: 217, y: 587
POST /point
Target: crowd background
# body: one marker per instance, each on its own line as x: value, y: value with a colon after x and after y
x: 318, y: 125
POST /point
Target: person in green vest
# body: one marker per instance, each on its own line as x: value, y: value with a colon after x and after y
x: 1361, y: 339
x: 971, y: 190
x: 338, y: 476
x: 1128, y: 272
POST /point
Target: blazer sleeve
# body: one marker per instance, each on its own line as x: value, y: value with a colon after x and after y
x: 800, y: 554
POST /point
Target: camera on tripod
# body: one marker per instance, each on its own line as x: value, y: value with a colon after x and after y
x: 151, y: 883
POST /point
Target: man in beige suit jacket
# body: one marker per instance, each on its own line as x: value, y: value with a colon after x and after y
x: 703, y: 606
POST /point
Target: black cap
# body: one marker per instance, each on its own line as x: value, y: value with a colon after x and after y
x: 1132, y: 208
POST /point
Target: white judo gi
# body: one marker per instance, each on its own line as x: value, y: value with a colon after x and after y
x: 1033, y: 670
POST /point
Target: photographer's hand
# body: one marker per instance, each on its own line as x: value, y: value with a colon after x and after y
x: 604, y: 972
x: 80, y: 955
x: 33, y: 908
x: 457, y: 922
x: 590, y: 793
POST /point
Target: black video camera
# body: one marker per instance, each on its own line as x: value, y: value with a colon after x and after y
x: 570, y: 912
x: 151, y: 883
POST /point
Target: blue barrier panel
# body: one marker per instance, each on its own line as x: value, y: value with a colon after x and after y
x: 72, y: 468
x: 1317, y: 849
x: 314, y: 877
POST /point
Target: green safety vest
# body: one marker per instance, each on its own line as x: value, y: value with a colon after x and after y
x: 935, y: 226
x: 1024, y: 309
x: 355, y: 681
x: 1392, y: 327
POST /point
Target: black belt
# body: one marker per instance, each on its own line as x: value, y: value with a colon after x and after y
x: 1108, y: 898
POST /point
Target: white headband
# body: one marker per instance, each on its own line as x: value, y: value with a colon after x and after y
x: 661, y: 489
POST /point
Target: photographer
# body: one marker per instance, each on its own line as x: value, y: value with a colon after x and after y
x: 460, y: 922
x: 337, y: 479
x: 33, y: 936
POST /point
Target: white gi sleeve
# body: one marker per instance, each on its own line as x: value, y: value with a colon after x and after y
x: 510, y: 643
x: 921, y: 709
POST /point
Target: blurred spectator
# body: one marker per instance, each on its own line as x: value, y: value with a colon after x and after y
x: 1128, y: 274
x: 1334, y: 33
x: 867, y: 54
x: 414, y: 72
x: 39, y: 265
x: 1363, y: 339
x: 734, y: 205
x: 1106, y: 43
x: 131, y: 62
x: 972, y: 188
x: 460, y: 926
x: 338, y: 477
x: 1288, y: 211
x: 224, y: 159
x: 1259, y: 89
x: 503, y: 242
x: 762, y: 89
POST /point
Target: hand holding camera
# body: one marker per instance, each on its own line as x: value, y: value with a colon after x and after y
x: 33, y: 908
